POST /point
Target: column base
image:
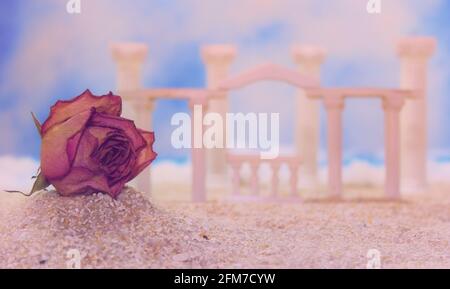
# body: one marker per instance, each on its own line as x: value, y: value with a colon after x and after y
x: 217, y: 181
x: 264, y: 199
x: 413, y: 187
x: 308, y: 183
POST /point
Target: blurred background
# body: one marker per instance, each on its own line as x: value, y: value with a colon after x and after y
x: 47, y: 54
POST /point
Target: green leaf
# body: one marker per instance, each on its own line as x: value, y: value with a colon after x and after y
x: 40, y: 184
x: 37, y: 123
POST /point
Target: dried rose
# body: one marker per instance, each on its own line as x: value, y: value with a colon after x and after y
x: 87, y: 147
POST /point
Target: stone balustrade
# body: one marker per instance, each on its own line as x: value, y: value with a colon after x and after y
x: 237, y: 161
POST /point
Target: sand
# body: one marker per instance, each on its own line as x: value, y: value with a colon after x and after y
x: 135, y: 232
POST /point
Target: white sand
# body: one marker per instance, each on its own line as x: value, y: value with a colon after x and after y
x: 131, y: 232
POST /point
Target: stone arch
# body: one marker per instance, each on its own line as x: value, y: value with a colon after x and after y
x: 268, y: 71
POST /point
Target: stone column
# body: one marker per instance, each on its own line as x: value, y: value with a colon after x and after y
x: 129, y: 58
x: 143, y: 110
x: 254, y: 179
x: 392, y: 106
x: 198, y: 152
x: 414, y: 54
x: 334, y: 104
x: 217, y: 60
x: 275, y: 166
x: 236, y: 177
x: 293, y: 180
x: 309, y: 60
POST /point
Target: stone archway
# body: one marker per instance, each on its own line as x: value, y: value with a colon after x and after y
x: 266, y: 72
x: 414, y: 53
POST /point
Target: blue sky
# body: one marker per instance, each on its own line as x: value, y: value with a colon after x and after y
x: 47, y: 54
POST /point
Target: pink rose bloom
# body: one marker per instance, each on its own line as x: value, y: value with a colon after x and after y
x: 87, y: 147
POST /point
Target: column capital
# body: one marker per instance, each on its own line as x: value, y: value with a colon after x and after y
x: 199, y: 100
x: 143, y: 104
x: 333, y: 101
x: 293, y: 167
x: 304, y: 54
x: 254, y: 163
x: 129, y: 52
x: 393, y: 102
x: 218, y: 54
x: 275, y: 166
x: 416, y: 47
x: 235, y: 164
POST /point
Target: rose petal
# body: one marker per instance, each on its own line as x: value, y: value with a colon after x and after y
x: 146, y: 155
x: 72, y: 145
x: 63, y: 110
x: 126, y: 125
x: 81, y: 181
x: 86, y: 147
x: 59, y: 146
x: 100, y: 133
x: 115, y: 190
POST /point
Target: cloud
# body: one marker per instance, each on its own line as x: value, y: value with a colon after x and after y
x: 16, y: 173
x: 168, y: 172
x: 56, y: 42
x: 58, y: 52
x: 6, y: 127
